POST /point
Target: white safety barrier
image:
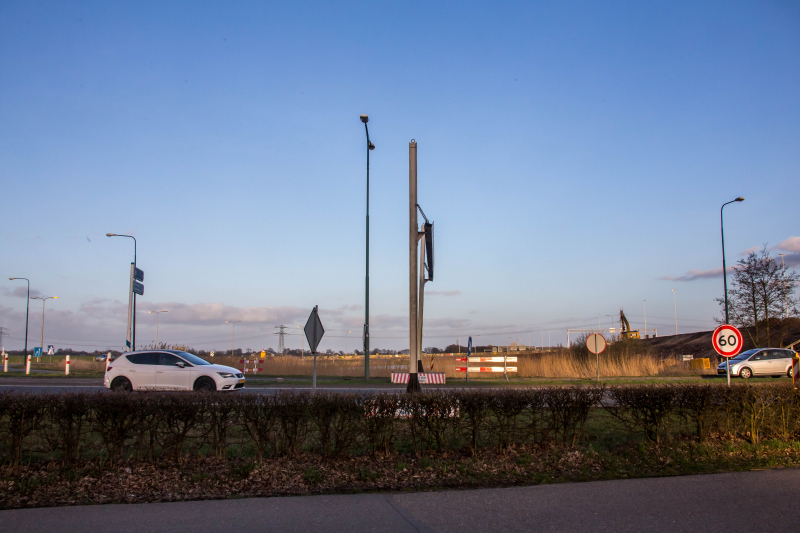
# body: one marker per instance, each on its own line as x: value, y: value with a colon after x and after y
x: 505, y: 369
x: 424, y: 377
x: 66, y: 367
x: 28, y: 365
x: 5, y: 361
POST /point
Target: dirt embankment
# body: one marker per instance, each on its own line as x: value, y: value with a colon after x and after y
x: 698, y: 344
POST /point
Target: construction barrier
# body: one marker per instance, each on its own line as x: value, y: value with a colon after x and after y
x: 254, y: 362
x: 700, y: 364
x: 424, y: 377
x: 497, y: 369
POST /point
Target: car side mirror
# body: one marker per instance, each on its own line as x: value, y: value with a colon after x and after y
x: 180, y: 364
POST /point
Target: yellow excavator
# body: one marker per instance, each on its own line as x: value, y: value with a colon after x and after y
x: 625, y: 328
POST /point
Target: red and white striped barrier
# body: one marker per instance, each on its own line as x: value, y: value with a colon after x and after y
x: 512, y: 359
x: 255, y: 368
x: 497, y: 369
x: 428, y: 378
x: 66, y: 367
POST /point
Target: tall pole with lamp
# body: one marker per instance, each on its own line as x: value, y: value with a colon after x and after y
x: 157, y: 313
x: 41, y: 339
x: 233, y: 334
x: 370, y: 146
x: 131, y: 319
x: 675, y: 305
x: 725, y: 276
x: 785, y: 294
x: 27, y: 313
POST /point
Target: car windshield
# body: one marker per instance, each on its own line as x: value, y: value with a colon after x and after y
x: 191, y: 358
x: 744, y: 355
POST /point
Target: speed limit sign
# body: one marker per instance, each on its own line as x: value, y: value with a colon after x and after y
x: 727, y: 340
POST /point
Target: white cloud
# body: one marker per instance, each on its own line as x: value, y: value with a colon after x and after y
x: 792, y: 244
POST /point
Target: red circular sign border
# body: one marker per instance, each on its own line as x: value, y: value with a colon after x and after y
x: 738, y: 337
x: 605, y: 344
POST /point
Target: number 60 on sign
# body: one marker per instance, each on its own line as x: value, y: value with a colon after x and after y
x: 727, y: 340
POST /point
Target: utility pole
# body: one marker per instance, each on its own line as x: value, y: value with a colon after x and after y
x: 785, y: 294
x: 675, y: 305
x: 413, y: 236
x: 281, y: 335
x: 370, y: 146
x: 233, y: 333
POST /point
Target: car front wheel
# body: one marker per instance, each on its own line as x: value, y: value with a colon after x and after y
x: 746, y: 373
x: 205, y: 384
x: 790, y: 372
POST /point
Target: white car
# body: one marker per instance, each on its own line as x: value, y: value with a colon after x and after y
x: 169, y: 370
x: 775, y: 362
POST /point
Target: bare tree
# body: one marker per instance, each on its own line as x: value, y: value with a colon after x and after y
x: 758, y: 293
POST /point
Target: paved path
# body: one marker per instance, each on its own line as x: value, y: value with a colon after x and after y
x: 749, y: 502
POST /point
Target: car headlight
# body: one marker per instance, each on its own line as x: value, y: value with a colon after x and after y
x: 226, y: 375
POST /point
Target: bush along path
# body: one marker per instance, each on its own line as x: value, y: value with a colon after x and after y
x: 66, y: 449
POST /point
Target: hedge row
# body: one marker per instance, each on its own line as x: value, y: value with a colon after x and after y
x: 111, y: 426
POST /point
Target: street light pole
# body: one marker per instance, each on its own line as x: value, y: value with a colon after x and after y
x: 459, y: 338
x: 302, y: 345
x: 345, y: 342
x: 785, y: 294
x: 675, y: 305
x: 724, y: 270
x: 233, y: 338
x: 27, y: 312
x: 370, y: 146
x: 157, y: 313
x: 41, y: 339
x: 645, y: 319
x: 133, y: 339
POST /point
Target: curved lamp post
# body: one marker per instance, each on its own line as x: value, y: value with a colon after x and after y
x: 133, y: 336
x: 157, y: 313
x: 724, y: 271
x: 370, y: 146
x: 41, y: 339
x: 27, y: 312
x: 233, y: 340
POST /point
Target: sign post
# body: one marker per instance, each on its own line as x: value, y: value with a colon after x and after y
x: 727, y: 341
x: 469, y: 354
x: 314, y: 332
x: 596, y: 344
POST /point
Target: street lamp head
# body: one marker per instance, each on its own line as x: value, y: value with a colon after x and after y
x: 371, y: 146
x: 55, y: 297
x: 111, y: 234
x: 364, y: 119
x: 739, y: 199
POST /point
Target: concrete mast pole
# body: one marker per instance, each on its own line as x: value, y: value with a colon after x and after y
x: 413, y: 378
x: 421, y: 297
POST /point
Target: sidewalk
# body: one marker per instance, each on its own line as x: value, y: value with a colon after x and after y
x: 737, y: 502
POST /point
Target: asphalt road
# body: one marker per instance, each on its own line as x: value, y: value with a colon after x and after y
x: 752, y: 502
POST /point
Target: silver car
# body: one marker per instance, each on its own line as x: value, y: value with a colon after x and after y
x: 775, y: 362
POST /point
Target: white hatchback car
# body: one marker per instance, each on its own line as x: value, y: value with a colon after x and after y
x: 169, y: 370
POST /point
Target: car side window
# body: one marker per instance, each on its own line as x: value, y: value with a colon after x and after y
x: 758, y: 357
x: 146, y: 358
x: 168, y: 359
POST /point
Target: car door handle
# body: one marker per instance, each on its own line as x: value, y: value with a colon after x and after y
x: 160, y: 371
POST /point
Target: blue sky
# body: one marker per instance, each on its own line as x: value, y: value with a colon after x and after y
x: 572, y: 155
